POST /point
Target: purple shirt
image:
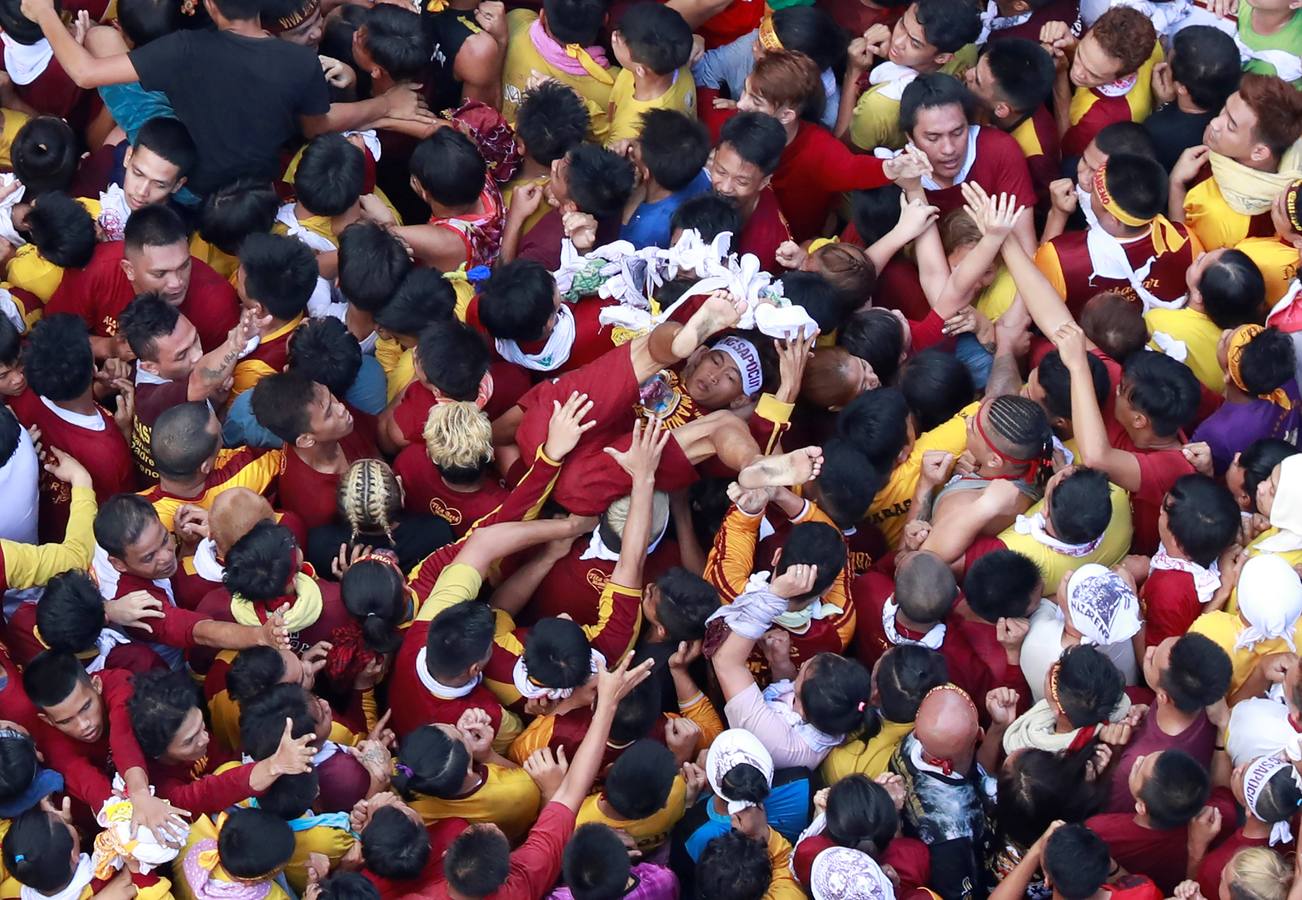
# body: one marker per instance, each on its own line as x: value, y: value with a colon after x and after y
x: 653, y: 883
x: 1198, y: 740
x: 1236, y: 425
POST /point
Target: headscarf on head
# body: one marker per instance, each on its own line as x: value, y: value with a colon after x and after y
x: 1270, y: 601
x: 840, y: 873
x: 1102, y: 605
x: 1256, y: 776
x: 1239, y: 340
x: 1286, y: 511
x: 732, y: 748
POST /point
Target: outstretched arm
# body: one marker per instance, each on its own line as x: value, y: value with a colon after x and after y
x: 639, y: 461
x: 1096, y: 451
x: 85, y: 70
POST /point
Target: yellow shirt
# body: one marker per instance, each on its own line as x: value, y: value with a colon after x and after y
x: 201, y: 830
x: 219, y: 260
x: 876, y: 119
x: 626, y: 118
x: 28, y: 565
x: 331, y: 843
x: 1207, y: 215
x: 1139, y: 98
x: 13, y: 121
x: 32, y: 272
x: 318, y: 225
x: 403, y: 374
x: 1278, y: 262
x: 1223, y: 628
x: 508, y: 798
x: 1200, y: 335
x: 784, y: 885
x: 524, y: 63
x: 257, y: 475
x: 649, y: 833
x: 995, y: 300
x: 508, y: 194
x: 860, y: 757
x: 250, y: 370
x: 1112, y: 548
x: 457, y: 583
x: 890, y: 508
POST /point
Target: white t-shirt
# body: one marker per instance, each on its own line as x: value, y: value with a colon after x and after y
x: 1043, y: 647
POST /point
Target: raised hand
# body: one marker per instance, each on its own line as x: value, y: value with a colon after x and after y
x: 643, y: 455
x: 795, y: 581
x: 294, y: 755
x: 547, y: 769
x: 566, y: 427
x: 614, y: 685
x: 1062, y: 194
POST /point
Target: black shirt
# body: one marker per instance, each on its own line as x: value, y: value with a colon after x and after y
x: 1173, y: 131
x: 240, y: 97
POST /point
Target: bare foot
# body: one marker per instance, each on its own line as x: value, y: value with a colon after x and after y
x: 786, y: 470
x: 720, y: 311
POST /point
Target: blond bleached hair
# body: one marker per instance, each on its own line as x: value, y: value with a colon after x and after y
x: 1258, y: 873
x: 458, y: 435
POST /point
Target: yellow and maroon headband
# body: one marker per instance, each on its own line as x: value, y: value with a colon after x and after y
x: 768, y: 35
x: 1110, y: 203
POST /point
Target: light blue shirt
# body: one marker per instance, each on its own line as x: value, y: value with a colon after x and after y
x: 731, y: 64
x: 366, y: 394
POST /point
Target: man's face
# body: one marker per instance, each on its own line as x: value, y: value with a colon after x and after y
x: 190, y: 743
x: 1091, y: 160
x: 557, y: 189
x: 733, y: 177
x: 620, y: 46
x: 13, y: 381
x: 152, y: 555
x: 753, y: 102
x: 1194, y: 274
x: 715, y: 382
x: 1094, y: 66
x: 981, y: 82
x: 177, y: 353
x: 941, y: 133
x: 1233, y: 132
x: 1140, y: 771
x: 164, y: 270
x: 81, y: 715
x: 149, y: 178
x: 329, y: 419
x: 1156, y: 659
x: 909, y: 45
x: 308, y: 32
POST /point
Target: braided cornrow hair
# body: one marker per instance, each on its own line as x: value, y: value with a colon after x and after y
x: 369, y: 498
x: 1024, y: 425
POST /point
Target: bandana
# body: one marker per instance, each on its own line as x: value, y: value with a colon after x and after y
x: 1255, y: 778
x: 1207, y: 581
x: 753, y: 612
x: 746, y: 356
x: 1033, y: 525
x: 893, y: 77
x: 1033, y: 464
x: 1286, y: 511
x: 296, y: 229
x: 208, y: 881
x: 81, y: 879
x: 1250, y: 192
x: 1110, y: 203
x: 115, y: 844
x: 1270, y: 601
x: 206, y: 564
x: 294, y: 19
x: 841, y: 873
x: 556, y: 352
x: 932, y: 640
x: 798, y: 621
x: 572, y: 59
x: 1239, y: 339
x: 733, y: 748
x: 768, y: 36
x: 1102, y: 606
x: 301, y: 612
x: 531, y: 690
x: 114, y: 212
x: 1291, y: 205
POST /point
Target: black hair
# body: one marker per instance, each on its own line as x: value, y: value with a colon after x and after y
x: 70, y: 613
x: 827, y: 306
x: 57, y: 359
x: 253, y: 843
x: 1023, y: 426
x: 449, y: 167
x: 259, y: 565
x: 169, y: 138
x: 239, y: 9
x: 710, y: 214
x: 11, y: 342
x: 61, y: 229
x: 422, y: 297
x: 324, y: 351
x: 37, y: 851
x: 1206, y: 61
x: 1002, y: 584
x: 595, y: 863
x: 1136, y: 183
x: 45, y: 155
x: 478, y: 861
x: 1037, y: 786
x: 180, y: 442
x: 254, y: 671
x: 375, y: 594
x: 904, y: 676
x: 396, y: 41
x: 50, y: 678
x: 18, y: 765
x: 674, y: 146
x: 1267, y: 361
x: 154, y: 226
x: 1232, y: 288
x: 1115, y: 324
x: 811, y: 30
x: 1089, y: 686
x: 1023, y: 72
x: 1077, y: 861
x: 262, y: 719
x: 636, y: 714
x: 434, y: 764
x: 686, y: 601
x: 757, y: 138
x: 835, y: 694
x: 146, y: 319
x: 160, y: 701
x: 947, y: 24
x: 143, y: 21
x: 1130, y: 138
x: 372, y: 263
x: 394, y: 846
x: 121, y: 520
x: 925, y: 588
x: 233, y: 212
x: 458, y: 638
x: 847, y: 483
x: 1161, y: 388
x: 875, y: 212
x: 875, y: 336
x: 279, y: 272
x: 657, y: 36
x: 936, y: 385
x: 1278, y: 799
x: 291, y: 795
x: 877, y: 422
x: 1197, y: 673
x: 817, y: 544
x: 281, y: 402
x: 10, y: 431
x: 861, y: 815
x: 599, y: 180
x: 744, y: 783
x: 1202, y: 516
x: 733, y: 867
x: 934, y: 90
x: 1081, y: 506
x: 454, y: 358
x: 575, y: 21
x: 558, y: 654
x: 1176, y: 789
x: 1055, y: 381
x: 639, y: 783
x: 517, y: 301
x: 1258, y: 460
x: 552, y: 121
x: 356, y: 886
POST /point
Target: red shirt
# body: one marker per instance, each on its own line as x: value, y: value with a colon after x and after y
x: 103, y: 452
x: 1165, y: 280
x: 1053, y: 11
x: 1214, y: 863
x: 175, y: 628
x: 573, y: 586
x: 1159, y: 470
x: 999, y: 167
x: 764, y: 231
x: 311, y: 494
x: 591, y: 338
x: 14, y: 705
x: 419, y: 706
x: 217, y: 605
x: 536, y: 865
x: 1170, y: 605
x: 425, y: 491
x: 814, y: 171
x: 441, y: 835
x: 1198, y: 739
x: 87, y: 768
x: 99, y: 292
x: 908, y: 856
x: 1101, y: 114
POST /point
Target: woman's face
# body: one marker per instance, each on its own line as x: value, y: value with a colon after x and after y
x: 1266, y: 492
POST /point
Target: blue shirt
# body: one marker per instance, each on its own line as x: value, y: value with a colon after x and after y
x: 366, y: 394
x: 649, y: 225
x: 731, y: 64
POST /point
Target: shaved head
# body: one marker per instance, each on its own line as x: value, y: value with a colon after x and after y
x: 947, y: 725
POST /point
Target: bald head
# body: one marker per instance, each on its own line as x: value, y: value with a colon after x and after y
x: 947, y: 725
x: 925, y: 588
x: 233, y: 515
